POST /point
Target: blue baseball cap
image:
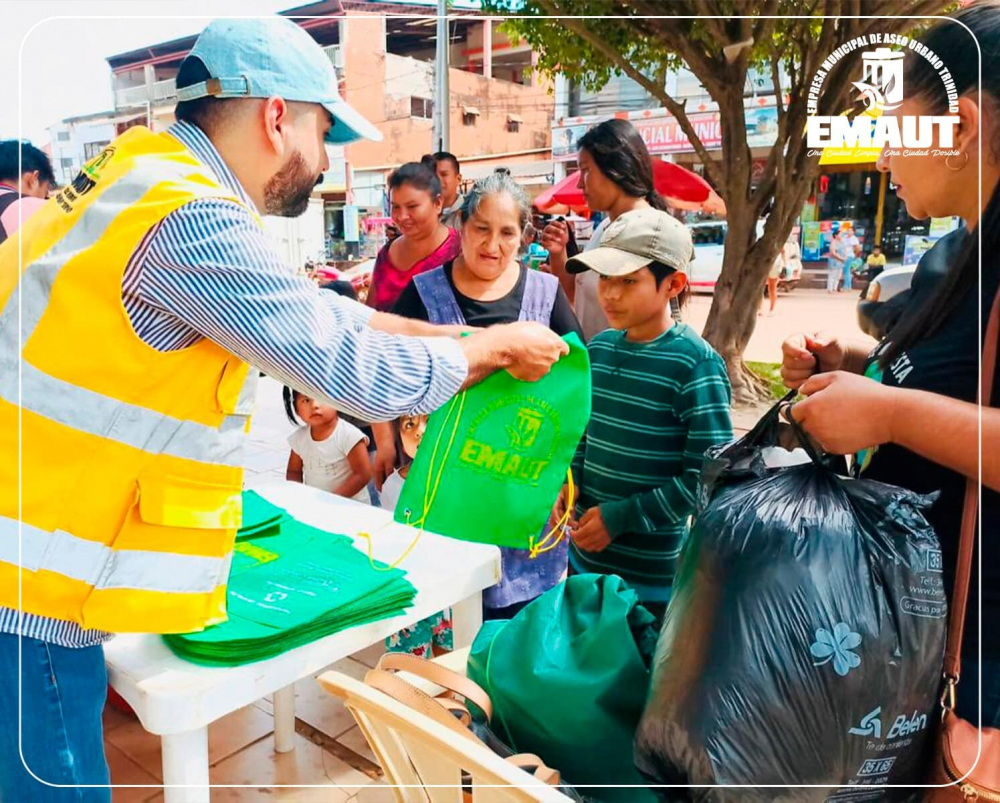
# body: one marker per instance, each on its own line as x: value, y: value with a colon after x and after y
x: 272, y: 56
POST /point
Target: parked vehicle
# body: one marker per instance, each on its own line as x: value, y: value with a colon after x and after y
x: 895, y: 291
x: 709, y: 247
x: 709, y: 244
x: 876, y: 314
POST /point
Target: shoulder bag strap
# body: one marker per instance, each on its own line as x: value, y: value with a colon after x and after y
x: 967, y: 539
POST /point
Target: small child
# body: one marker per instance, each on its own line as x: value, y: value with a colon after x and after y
x: 327, y: 453
x: 408, y: 431
x: 433, y: 635
x: 661, y: 397
x: 875, y: 262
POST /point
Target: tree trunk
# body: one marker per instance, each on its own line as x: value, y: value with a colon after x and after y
x: 733, y: 315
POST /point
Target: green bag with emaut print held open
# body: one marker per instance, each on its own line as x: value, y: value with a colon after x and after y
x: 493, y: 460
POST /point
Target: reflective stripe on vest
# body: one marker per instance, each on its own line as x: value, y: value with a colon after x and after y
x: 102, y: 567
x: 24, y: 385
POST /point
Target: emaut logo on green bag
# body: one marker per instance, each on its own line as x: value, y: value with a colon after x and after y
x: 882, y: 90
x: 513, y: 438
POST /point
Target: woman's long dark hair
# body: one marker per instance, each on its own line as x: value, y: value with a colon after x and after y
x: 954, y: 46
x: 620, y: 154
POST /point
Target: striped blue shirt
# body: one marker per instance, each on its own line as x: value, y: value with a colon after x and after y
x: 208, y: 271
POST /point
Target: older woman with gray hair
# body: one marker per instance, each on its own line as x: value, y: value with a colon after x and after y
x: 484, y: 285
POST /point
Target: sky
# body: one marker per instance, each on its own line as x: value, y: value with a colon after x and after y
x: 52, y: 52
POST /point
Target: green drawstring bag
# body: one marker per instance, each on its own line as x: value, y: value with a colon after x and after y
x: 502, y: 446
x: 568, y: 678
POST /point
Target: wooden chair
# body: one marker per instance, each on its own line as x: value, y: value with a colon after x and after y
x: 425, y: 761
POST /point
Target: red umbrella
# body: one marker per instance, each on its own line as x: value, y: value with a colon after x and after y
x: 546, y: 201
x: 671, y: 181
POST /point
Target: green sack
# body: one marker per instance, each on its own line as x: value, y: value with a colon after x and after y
x: 568, y: 678
x: 503, y: 443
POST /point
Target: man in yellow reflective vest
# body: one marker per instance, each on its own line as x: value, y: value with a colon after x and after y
x: 132, y: 307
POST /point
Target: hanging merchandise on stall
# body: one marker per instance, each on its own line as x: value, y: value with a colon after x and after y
x: 506, y: 444
x: 804, y: 639
x: 292, y: 587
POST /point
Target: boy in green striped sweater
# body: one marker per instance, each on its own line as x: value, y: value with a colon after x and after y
x: 661, y: 397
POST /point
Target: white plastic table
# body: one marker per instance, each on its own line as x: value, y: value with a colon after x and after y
x: 178, y: 700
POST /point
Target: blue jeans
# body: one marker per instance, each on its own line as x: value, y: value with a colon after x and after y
x: 967, y: 705
x: 62, y: 699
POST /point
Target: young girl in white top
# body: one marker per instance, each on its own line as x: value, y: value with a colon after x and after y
x: 409, y: 430
x: 433, y: 635
x: 327, y: 453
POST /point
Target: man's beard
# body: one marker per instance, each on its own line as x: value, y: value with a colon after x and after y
x: 288, y: 191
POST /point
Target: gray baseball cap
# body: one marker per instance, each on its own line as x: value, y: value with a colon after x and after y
x: 634, y: 240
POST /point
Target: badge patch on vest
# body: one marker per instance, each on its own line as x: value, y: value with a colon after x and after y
x: 85, y: 180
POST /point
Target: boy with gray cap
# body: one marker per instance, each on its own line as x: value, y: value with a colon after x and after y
x: 661, y: 397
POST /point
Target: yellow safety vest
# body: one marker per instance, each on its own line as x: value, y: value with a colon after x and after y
x: 120, y: 465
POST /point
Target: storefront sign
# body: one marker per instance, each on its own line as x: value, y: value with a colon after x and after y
x: 564, y: 140
x: 662, y: 133
x: 334, y: 179
x: 940, y: 226
x: 351, y: 224
x: 916, y: 246
x: 811, y: 245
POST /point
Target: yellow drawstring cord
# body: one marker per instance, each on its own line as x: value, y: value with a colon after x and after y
x: 536, y: 549
x: 430, y: 494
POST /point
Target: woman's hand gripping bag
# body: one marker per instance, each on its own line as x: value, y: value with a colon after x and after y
x: 492, y: 461
x: 804, y: 639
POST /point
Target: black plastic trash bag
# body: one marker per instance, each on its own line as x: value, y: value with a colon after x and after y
x: 804, y: 639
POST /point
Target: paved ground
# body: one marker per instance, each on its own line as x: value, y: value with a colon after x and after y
x: 802, y: 310
x: 330, y: 749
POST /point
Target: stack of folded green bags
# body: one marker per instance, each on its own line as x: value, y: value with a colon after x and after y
x: 291, y: 584
x: 260, y: 517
